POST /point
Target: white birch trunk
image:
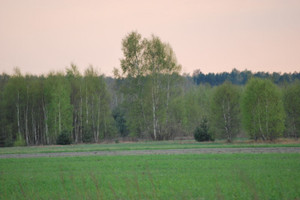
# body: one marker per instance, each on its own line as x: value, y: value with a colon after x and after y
x: 34, y: 128
x: 81, y: 115
x: 154, y: 115
x: 46, y: 122
x: 86, y: 105
x: 18, y: 113
x: 59, y: 118
x: 26, y: 120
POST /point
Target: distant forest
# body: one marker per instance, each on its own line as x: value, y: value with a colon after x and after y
x: 146, y: 99
x: 241, y: 77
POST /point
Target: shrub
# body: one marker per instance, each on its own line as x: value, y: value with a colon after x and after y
x: 63, y: 138
x: 201, y: 133
x: 87, y: 136
x: 19, y: 141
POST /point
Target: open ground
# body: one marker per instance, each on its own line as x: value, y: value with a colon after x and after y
x: 152, y: 170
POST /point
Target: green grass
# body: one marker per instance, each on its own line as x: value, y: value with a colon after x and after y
x: 206, y: 176
x: 190, y: 144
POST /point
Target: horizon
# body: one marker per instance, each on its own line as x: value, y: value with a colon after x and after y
x: 215, y: 37
x: 63, y: 71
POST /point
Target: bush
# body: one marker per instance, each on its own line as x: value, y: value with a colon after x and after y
x: 87, y: 136
x: 201, y: 133
x: 63, y: 138
x: 19, y: 142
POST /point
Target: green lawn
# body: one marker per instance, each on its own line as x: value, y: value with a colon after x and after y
x: 203, y: 176
x: 190, y: 144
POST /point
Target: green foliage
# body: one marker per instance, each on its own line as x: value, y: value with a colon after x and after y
x: 149, y: 100
x: 241, y: 77
x: 202, y: 176
x: 262, y: 108
x: 225, y: 111
x: 132, y: 48
x: 64, y: 138
x: 292, y: 108
x: 58, y: 104
x: 150, y: 68
x: 19, y: 142
x: 87, y: 136
x: 196, y: 103
x: 119, y: 117
x: 97, y: 118
x: 201, y: 133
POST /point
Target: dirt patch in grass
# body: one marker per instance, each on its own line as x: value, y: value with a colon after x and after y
x: 166, y: 151
x: 277, y: 141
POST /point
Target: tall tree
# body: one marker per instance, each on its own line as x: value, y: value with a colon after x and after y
x: 134, y: 86
x: 149, y: 66
x: 225, y: 111
x: 262, y: 108
x: 98, y: 121
x: 74, y: 77
x: 5, y: 134
x: 15, y: 99
x: 161, y: 66
x: 58, y: 105
x: 155, y: 64
x: 292, y: 108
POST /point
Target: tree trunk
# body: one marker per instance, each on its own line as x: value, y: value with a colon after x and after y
x: 34, y: 128
x: 154, y: 115
x: 267, y: 122
x: 261, y: 130
x: 294, y: 129
x: 59, y: 118
x: 86, y: 105
x: 81, y: 116
x: 98, y: 116
x: 18, y: 113
x: 139, y: 97
x: 75, y: 127
x: 46, y: 122
x: 167, y: 104
x: 93, y: 119
x: 226, y: 123
x: 26, y: 119
x: 26, y: 127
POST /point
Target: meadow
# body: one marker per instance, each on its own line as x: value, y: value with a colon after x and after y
x: 202, y: 176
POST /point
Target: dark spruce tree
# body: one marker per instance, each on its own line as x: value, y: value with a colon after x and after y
x: 201, y: 133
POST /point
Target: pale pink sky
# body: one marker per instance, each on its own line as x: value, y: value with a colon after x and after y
x: 213, y: 35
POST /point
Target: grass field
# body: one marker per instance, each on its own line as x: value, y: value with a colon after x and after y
x: 203, y: 176
x: 179, y: 144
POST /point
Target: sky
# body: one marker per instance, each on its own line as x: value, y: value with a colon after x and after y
x: 40, y: 36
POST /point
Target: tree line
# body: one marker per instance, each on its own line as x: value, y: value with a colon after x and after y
x: 36, y: 110
x: 241, y: 77
x: 147, y: 98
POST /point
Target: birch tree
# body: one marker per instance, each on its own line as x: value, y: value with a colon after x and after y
x: 97, y: 114
x: 15, y: 106
x: 262, y: 108
x: 148, y: 65
x: 225, y: 111
x: 76, y: 83
x: 292, y: 108
x: 135, y: 84
x: 58, y: 105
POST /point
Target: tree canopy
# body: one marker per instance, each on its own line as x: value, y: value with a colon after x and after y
x: 147, y: 99
x: 225, y: 111
x: 263, y: 112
